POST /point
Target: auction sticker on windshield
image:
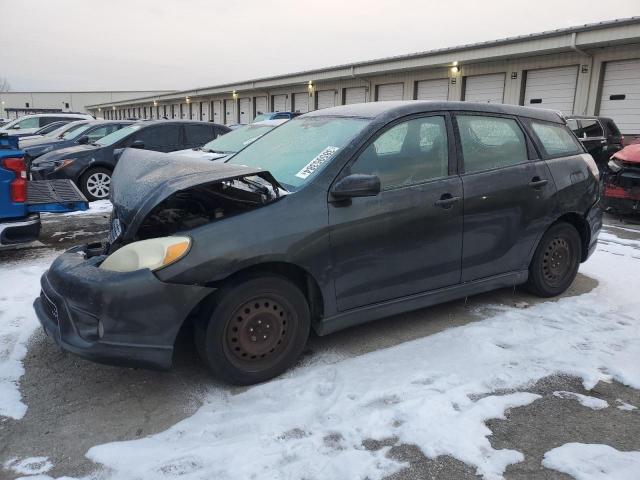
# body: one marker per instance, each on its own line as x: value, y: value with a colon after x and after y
x: 317, y: 162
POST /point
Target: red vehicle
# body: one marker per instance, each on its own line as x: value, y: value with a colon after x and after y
x: 622, y: 181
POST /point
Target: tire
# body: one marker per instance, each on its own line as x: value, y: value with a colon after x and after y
x: 95, y: 183
x: 555, y: 262
x: 254, y: 329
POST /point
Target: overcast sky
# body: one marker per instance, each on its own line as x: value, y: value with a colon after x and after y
x: 181, y: 44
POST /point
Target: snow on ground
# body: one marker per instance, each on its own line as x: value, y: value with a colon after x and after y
x: 593, y: 462
x: 20, y: 286
x: 29, y: 466
x: 584, y: 400
x: 99, y: 206
x: 436, y: 392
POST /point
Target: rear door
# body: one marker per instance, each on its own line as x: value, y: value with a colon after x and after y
x: 408, y: 238
x: 509, y: 194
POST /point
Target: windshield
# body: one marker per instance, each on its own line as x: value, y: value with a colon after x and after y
x: 237, y: 139
x: 117, y: 135
x: 58, y: 132
x: 75, y: 130
x: 261, y: 117
x: 300, y: 148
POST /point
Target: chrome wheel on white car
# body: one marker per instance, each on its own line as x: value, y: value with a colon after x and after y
x: 96, y: 184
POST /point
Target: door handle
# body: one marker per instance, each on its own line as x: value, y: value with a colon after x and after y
x: 446, y: 201
x: 537, y: 182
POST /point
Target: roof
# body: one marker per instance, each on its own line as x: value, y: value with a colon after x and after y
x: 408, y: 107
x: 319, y: 72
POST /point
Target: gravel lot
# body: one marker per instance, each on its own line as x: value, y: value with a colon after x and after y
x: 74, y: 405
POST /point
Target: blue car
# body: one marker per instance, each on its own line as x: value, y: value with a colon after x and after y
x: 21, y: 201
x: 276, y: 116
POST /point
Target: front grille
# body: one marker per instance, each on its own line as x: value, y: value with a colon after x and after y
x: 50, y: 308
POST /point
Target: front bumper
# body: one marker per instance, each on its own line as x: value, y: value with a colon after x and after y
x: 127, y: 319
x: 25, y: 230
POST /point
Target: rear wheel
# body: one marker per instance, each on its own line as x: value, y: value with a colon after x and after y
x: 555, y: 263
x: 255, y: 330
x: 95, y: 183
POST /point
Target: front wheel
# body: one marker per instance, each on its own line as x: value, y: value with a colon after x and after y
x: 555, y: 263
x: 95, y: 183
x: 255, y: 330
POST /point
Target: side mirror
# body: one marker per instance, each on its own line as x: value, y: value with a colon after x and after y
x: 356, y: 185
x: 137, y: 144
x: 83, y: 140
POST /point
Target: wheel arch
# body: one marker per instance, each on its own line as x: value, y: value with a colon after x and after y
x: 579, y: 223
x: 291, y: 271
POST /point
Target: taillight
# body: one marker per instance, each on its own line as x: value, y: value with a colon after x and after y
x: 18, y: 186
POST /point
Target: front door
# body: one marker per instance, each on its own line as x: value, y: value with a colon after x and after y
x: 408, y: 238
x: 508, y: 198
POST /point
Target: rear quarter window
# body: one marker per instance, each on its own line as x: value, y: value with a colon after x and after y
x: 556, y: 140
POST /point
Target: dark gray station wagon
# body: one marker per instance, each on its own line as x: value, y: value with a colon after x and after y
x: 337, y: 217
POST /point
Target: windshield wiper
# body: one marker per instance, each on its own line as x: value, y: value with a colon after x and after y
x: 216, y: 151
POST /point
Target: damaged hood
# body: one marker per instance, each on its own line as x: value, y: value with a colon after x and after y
x: 630, y: 153
x: 142, y: 179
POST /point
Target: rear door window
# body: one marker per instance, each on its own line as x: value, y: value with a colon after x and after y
x: 32, y: 122
x: 490, y: 142
x: 160, y: 137
x: 556, y: 140
x: 102, y: 131
x: 591, y: 129
x: 199, y: 134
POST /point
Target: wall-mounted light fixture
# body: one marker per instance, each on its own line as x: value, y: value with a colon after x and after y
x: 155, y: 103
x: 234, y: 94
x: 99, y: 109
x: 188, y: 99
x: 455, y: 70
x: 113, y: 107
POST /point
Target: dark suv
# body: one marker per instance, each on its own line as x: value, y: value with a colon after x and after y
x: 338, y: 217
x: 599, y: 135
x: 90, y: 165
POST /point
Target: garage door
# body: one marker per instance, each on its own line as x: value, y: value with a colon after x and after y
x: 390, y: 91
x: 205, y: 111
x: 552, y: 88
x: 261, y: 105
x: 355, y: 95
x: 245, y: 110
x: 230, y: 112
x: 217, y: 111
x: 437, y: 89
x: 301, y: 102
x: 620, y: 98
x: 326, y: 99
x: 279, y: 103
x: 485, y: 88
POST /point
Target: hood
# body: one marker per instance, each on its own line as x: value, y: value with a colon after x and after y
x: 70, y: 152
x: 201, y: 154
x: 630, y: 153
x: 143, y: 179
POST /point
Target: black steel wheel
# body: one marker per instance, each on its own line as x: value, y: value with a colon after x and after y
x: 555, y: 263
x: 255, y: 329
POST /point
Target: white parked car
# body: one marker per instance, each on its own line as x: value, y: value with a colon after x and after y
x: 28, y: 124
x: 230, y: 143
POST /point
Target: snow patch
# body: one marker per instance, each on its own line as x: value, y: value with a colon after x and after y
x: 593, y: 462
x: 29, y: 466
x: 624, y: 405
x: 17, y: 322
x: 584, y: 400
x: 97, y: 207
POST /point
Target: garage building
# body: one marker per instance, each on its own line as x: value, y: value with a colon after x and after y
x: 584, y: 70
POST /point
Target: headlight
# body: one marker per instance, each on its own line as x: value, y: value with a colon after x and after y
x: 152, y: 254
x: 63, y: 163
x: 614, y: 165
